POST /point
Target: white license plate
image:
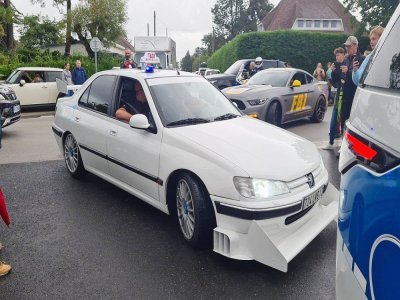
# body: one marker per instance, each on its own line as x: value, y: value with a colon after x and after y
x: 313, y: 198
x: 17, y: 108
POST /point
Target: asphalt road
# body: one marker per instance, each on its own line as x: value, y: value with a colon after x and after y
x: 87, y: 239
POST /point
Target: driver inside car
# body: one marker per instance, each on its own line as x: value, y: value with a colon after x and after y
x: 138, y: 105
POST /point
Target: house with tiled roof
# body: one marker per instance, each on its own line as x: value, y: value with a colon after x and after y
x: 314, y: 15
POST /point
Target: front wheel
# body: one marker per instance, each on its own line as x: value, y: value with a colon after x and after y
x: 72, y: 157
x: 194, y: 211
x: 274, y: 114
x: 319, y: 111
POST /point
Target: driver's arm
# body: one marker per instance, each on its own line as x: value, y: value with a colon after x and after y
x: 122, y: 114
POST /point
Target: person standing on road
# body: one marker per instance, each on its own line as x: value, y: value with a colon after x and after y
x: 319, y: 72
x: 344, y: 78
x: 79, y: 75
x: 128, y: 62
x: 358, y: 70
x: 333, y: 128
x: 66, y: 75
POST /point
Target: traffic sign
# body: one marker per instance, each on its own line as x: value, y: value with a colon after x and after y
x: 95, y: 44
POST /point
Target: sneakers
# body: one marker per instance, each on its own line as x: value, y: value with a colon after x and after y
x: 4, y: 268
x: 329, y: 146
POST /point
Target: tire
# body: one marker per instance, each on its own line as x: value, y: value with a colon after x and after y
x: 319, y: 111
x: 194, y: 212
x: 72, y: 157
x: 274, y: 114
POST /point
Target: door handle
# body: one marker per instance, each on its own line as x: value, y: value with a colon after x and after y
x: 113, y: 132
x: 77, y: 119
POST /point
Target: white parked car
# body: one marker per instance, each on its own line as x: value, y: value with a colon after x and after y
x: 35, y: 86
x: 255, y: 190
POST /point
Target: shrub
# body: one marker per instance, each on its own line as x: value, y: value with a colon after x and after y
x: 302, y: 49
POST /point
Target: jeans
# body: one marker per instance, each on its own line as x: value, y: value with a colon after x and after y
x: 332, y: 129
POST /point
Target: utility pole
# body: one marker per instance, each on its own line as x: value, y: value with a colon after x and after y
x: 212, y: 40
x: 154, y: 23
x: 148, y: 29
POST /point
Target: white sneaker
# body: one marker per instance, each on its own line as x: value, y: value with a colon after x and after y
x: 329, y: 147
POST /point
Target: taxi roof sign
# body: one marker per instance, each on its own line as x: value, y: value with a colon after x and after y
x: 150, y: 58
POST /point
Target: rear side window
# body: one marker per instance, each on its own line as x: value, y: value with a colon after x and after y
x: 99, y: 96
x: 384, y: 72
x: 51, y: 76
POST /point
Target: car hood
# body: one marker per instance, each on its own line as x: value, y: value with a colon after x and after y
x: 260, y: 149
x: 248, y: 91
x: 5, y: 89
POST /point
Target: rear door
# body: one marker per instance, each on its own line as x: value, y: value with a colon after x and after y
x: 91, y: 123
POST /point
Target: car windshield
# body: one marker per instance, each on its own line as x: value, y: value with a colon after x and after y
x: 189, y: 100
x: 13, y: 77
x: 273, y: 78
x: 234, y: 69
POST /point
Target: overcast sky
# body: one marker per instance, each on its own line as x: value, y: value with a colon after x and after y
x: 186, y: 20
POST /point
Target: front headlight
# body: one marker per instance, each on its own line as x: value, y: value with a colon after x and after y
x: 257, y: 101
x: 259, y: 188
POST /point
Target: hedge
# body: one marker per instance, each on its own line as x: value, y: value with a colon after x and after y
x: 302, y: 49
x: 27, y: 58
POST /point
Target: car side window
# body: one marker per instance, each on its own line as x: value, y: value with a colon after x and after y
x: 51, y: 76
x: 384, y: 71
x: 84, y: 98
x: 309, y: 78
x: 300, y: 76
x: 100, y: 95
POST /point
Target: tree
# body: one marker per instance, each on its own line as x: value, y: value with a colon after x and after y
x: 373, y: 12
x: 99, y: 18
x: 68, y: 38
x: 7, y: 18
x: 186, y: 63
x: 37, y: 32
x: 232, y: 17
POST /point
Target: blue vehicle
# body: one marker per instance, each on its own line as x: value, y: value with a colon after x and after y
x: 368, y: 246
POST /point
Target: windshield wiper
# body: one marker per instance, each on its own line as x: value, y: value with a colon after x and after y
x: 189, y: 121
x: 226, y: 117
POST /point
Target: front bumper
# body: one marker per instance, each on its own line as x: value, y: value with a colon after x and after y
x: 11, y: 114
x: 269, y: 240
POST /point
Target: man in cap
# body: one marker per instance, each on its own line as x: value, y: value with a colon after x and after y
x: 343, y: 77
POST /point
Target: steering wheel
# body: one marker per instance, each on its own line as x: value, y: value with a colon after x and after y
x: 132, y: 109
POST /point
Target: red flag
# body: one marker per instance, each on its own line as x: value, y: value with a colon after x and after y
x: 3, y: 209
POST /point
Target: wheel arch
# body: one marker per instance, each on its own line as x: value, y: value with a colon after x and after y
x: 170, y: 188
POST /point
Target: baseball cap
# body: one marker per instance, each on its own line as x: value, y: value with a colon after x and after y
x: 351, y: 40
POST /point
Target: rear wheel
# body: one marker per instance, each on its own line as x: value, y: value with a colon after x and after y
x: 194, y: 210
x: 274, y: 114
x: 72, y: 157
x: 319, y: 111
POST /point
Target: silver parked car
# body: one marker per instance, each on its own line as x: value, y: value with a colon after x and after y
x: 281, y: 95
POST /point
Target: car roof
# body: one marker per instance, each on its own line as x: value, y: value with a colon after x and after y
x: 141, y: 73
x: 38, y: 69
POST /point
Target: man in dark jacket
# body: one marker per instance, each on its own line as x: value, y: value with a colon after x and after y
x: 79, y: 75
x: 343, y: 77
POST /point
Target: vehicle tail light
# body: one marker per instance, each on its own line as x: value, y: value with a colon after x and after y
x: 359, y: 148
x: 369, y: 154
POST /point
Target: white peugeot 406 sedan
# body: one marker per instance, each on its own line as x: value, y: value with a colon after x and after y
x: 258, y: 191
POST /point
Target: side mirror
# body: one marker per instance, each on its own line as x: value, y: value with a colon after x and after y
x: 296, y: 83
x: 139, y: 121
x: 22, y: 82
